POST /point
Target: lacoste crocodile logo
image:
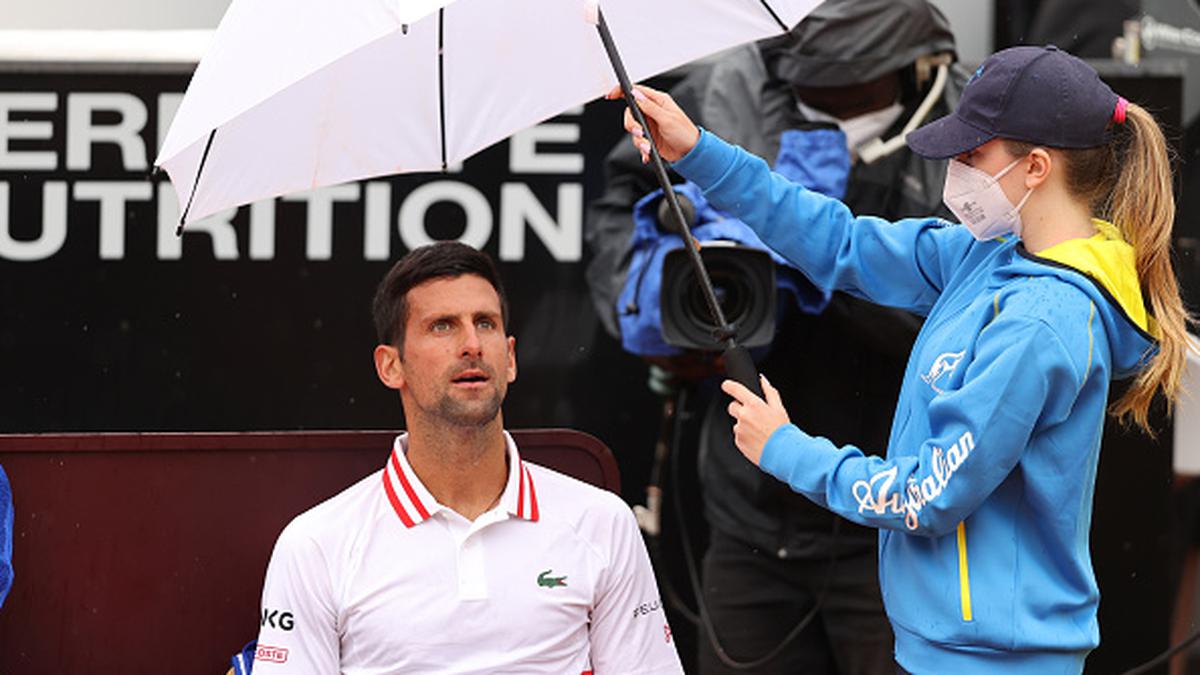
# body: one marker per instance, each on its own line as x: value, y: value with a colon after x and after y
x: 546, y: 581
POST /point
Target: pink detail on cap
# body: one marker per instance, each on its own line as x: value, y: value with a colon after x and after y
x: 1119, y: 113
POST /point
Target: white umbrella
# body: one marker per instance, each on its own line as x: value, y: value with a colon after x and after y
x: 298, y: 94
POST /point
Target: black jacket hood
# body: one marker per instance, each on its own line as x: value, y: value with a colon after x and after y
x: 847, y: 42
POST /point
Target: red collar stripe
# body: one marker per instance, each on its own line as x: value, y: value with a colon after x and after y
x: 408, y: 490
x: 533, y: 496
x: 521, y: 492
x: 533, y: 505
x: 396, y: 505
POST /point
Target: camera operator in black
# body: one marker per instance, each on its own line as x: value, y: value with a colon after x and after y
x: 770, y: 552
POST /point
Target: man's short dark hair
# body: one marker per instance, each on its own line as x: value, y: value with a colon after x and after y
x: 441, y: 260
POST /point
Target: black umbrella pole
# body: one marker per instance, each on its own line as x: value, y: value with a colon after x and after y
x: 739, y: 365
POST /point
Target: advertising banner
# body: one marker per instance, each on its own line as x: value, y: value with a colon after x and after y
x: 259, y: 318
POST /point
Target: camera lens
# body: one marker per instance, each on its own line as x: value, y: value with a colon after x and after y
x: 732, y: 291
x: 743, y: 282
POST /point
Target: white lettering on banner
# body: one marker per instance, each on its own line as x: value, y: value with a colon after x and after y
x: 518, y: 205
x: 377, y: 212
x: 520, y: 210
x: 524, y: 157
x: 83, y: 132
x: 54, y: 225
x: 113, y: 197
x: 95, y: 123
x: 262, y: 230
x: 10, y: 130
x: 319, y: 240
x: 472, y: 202
x: 168, y: 105
x: 875, y: 495
x: 217, y: 226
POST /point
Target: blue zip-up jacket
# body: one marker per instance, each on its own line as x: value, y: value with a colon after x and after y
x: 6, y: 531
x: 984, y: 499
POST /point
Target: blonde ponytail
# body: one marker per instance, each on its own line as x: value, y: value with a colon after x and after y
x: 1141, y: 203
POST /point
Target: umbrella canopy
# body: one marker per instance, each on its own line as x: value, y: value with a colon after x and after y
x: 298, y: 94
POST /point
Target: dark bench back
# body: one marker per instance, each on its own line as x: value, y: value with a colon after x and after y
x: 145, y: 553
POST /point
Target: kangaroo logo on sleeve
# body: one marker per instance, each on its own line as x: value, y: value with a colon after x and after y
x: 942, y: 366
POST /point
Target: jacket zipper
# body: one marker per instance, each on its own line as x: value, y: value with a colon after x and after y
x: 964, y: 579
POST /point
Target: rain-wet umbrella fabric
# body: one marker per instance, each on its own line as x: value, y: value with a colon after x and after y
x: 298, y: 94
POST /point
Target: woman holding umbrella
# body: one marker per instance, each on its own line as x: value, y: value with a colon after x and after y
x: 1058, y: 281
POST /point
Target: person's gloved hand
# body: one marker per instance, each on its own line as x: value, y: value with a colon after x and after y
x: 755, y: 419
x: 674, y: 132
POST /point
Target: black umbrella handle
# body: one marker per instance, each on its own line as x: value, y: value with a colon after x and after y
x: 738, y: 364
x: 739, y: 367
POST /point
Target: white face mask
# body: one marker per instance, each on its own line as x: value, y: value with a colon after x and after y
x: 980, y: 203
x: 858, y: 130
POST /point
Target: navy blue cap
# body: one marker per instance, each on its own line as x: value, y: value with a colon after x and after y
x: 1039, y: 95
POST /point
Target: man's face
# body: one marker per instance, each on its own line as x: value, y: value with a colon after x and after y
x: 849, y: 101
x: 457, y: 362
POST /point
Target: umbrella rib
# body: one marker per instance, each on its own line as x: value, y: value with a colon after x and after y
x: 195, y: 183
x: 783, y: 26
x: 442, y: 85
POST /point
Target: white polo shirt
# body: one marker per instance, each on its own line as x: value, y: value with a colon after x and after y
x: 383, y: 579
